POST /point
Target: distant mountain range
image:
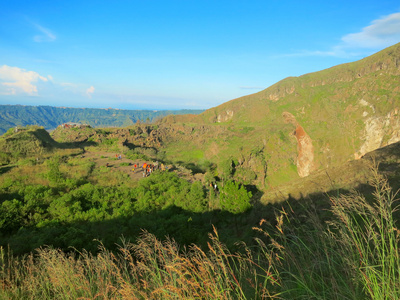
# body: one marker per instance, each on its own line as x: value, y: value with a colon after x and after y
x: 50, y: 117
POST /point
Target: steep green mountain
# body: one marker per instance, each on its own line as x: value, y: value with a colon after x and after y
x: 290, y: 130
x: 50, y: 117
x: 298, y: 125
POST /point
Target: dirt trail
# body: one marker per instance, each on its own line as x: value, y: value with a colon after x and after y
x: 101, y: 158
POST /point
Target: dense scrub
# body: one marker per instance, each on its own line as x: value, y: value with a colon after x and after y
x: 353, y: 256
x: 67, y: 201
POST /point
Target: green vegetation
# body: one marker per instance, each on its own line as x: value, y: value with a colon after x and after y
x: 29, y: 142
x: 81, y: 218
x: 333, y: 106
x: 235, y: 198
x: 65, y: 196
x: 353, y: 256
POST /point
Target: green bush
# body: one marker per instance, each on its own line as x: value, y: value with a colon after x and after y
x: 54, y: 174
x: 234, y: 197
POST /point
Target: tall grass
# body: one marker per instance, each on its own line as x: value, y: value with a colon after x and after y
x: 296, y: 256
x: 370, y: 239
x: 149, y: 269
x: 306, y: 260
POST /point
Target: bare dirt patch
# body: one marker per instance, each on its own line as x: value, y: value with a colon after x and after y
x: 112, y: 160
x: 126, y: 165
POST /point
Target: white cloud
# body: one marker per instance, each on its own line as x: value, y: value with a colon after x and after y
x: 90, y: 91
x: 382, y: 33
x: 45, y: 34
x: 14, y: 81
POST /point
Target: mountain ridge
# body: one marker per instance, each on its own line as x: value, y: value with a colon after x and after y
x: 50, y: 116
x: 291, y: 129
x: 346, y: 110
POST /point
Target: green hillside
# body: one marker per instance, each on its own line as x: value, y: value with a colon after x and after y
x: 300, y: 124
x: 84, y: 219
x: 24, y: 142
x: 288, y: 193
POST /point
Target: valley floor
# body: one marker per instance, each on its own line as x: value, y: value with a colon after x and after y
x: 102, y: 158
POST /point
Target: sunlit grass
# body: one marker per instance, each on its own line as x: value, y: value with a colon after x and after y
x: 149, y: 269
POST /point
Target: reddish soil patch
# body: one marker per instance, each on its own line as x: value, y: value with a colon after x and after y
x: 300, y: 134
x: 305, y: 157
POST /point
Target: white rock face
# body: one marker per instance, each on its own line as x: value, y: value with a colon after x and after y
x: 226, y: 116
x: 380, y: 132
x: 366, y: 103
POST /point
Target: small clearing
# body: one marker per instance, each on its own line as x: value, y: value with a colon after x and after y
x: 126, y: 165
x: 102, y: 158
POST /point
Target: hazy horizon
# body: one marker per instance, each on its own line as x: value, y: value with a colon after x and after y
x: 105, y: 108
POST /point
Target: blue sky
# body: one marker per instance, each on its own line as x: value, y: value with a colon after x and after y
x: 178, y: 54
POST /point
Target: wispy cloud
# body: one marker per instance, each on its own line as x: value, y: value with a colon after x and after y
x: 15, y: 81
x: 90, y: 91
x: 45, y: 34
x: 381, y: 33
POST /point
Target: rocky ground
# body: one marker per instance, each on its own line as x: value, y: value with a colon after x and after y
x: 102, y: 158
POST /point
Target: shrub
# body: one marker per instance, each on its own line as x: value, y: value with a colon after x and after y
x: 234, y: 197
x: 54, y: 174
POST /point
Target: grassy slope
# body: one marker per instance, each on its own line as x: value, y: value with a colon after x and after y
x: 325, y: 103
x: 299, y: 258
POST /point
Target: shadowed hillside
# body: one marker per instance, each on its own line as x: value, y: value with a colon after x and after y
x: 93, y: 226
x: 24, y: 142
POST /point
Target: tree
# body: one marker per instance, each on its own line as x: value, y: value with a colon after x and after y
x: 196, y: 200
x: 10, y: 215
x: 234, y: 197
x: 54, y: 174
x: 227, y: 168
